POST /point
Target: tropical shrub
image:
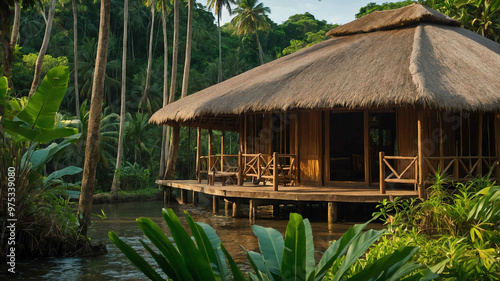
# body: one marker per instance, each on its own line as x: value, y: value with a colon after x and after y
x: 291, y: 258
x: 456, y: 228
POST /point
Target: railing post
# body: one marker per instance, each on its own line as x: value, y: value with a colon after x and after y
x: 382, y: 172
x: 275, y: 171
x: 241, y: 167
x: 198, y: 154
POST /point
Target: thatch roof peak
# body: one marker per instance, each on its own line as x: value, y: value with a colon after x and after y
x: 392, y: 19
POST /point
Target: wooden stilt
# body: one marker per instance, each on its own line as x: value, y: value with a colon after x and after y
x: 227, y: 206
x: 276, y: 210
x: 166, y: 197
x: 301, y: 207
x: 195, y: 199
x: 236, y: 208
x: 332, y: 214
x: 184, y: 196
x: 215, y: 204
x: 253, y: 210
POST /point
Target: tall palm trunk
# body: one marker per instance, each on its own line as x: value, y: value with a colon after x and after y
x: 116, y: 177
x: 150, y: 56
x: 15, y: 26
x: 219, y: 74
x: 174, y: 142
x: 261, y: 56
x: 75, y: 51
x: 43, y: 49
x: 187, y: 61
x: 94, y: 125
x: 165, y: 140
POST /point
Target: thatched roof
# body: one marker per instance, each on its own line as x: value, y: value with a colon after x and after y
x: 408, y: 56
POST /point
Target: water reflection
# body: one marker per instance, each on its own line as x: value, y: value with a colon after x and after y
x: 234, y: 233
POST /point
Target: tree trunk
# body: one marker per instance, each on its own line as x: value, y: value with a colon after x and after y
x: 187, y: 61
x: 43, y: 49
x: 94, y: 125
x: 75, y: 51
x: 165, y: 137
x: 150, y: 57
x: 219, y: 75
x: 174, y: 148
x: 6, y: 58
x: 116, y: 177
x: 261, y: 56
x: 15, y: 27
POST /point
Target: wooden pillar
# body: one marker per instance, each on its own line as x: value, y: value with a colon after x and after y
x: 166, y: 196
x: 321, y: 148
x: 198, y: 155
x: 245, y: 138
x: 276, y: 210
x: 227, y: 206
x: 332, y: 214
x: 327, y: 147
x: 421, y: 180
x: 253, y: 210
x: 210, y: 150
x: 184, y: 196
x: 480, y: 144
x: 382, y: 172
x: 297, y: 153
x: 275, y: 171
x: 215, y: 204
x: 195, y: 199
x: 222, y: 144
x: 366, y: 141
x: 237, y: 208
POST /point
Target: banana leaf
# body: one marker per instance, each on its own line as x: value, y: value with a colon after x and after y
x: 271, y: 245
x: 43, y: 105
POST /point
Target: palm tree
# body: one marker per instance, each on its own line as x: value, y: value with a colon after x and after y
x: 43, y: 49
x: 75, y: 51
x: 250, y: 18
x: 152, y: 3
x: 219, y: 5
x: 119, y: 155
x: 187, y: 61
x: 166, y: 130
x: 91, y: 150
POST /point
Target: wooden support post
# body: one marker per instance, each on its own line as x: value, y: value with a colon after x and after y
x: 222, y: 144
x: 332, y: 214
x: 198, y: 155
x: 366, y: 141
x: 166, y: 195
x: 210, y: 150
x: 275, y: 171
x: 184, y: 196
x: 297, y: 154
x: 215, y: 204
x: 245, y: 139
x: 382, y: 172
x: 301, y: 207
x: 195, y: 199
x: 227, y: 206
x: 421, y: 180
x: 480, y: 144
x: 236, y: 208
x: 253, y: 210
x: 276, y: 210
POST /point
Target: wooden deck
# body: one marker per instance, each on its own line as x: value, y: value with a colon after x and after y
x: 355, y: 192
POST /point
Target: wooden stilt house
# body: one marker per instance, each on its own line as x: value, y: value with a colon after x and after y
x: 390, y: 100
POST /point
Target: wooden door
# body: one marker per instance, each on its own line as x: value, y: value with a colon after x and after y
x: 310, y: 147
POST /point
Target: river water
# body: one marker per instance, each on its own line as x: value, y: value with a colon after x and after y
x: 234, y: 233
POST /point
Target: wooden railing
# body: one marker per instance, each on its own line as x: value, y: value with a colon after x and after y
x: 404, y: 176
x: 460, y: 168
x: 218, y: 163
x: 276, y: 168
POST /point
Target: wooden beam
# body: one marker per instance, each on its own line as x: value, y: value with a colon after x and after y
x: 253, y: 210
x: 184, y: 196
x: 198, y: 155
x: 366, y: 142
x: 195, y: 199
x: 297, y: 141
x: 321, y: 148
x: 421, y: 187
x: 327, y: 146
x: 275, y: 171
x: 222, y: 144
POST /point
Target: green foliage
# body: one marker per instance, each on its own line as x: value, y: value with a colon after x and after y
x: 291, y: 258
x: 372, y: 6
x: 456, y: 229
x: 133, y: 176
